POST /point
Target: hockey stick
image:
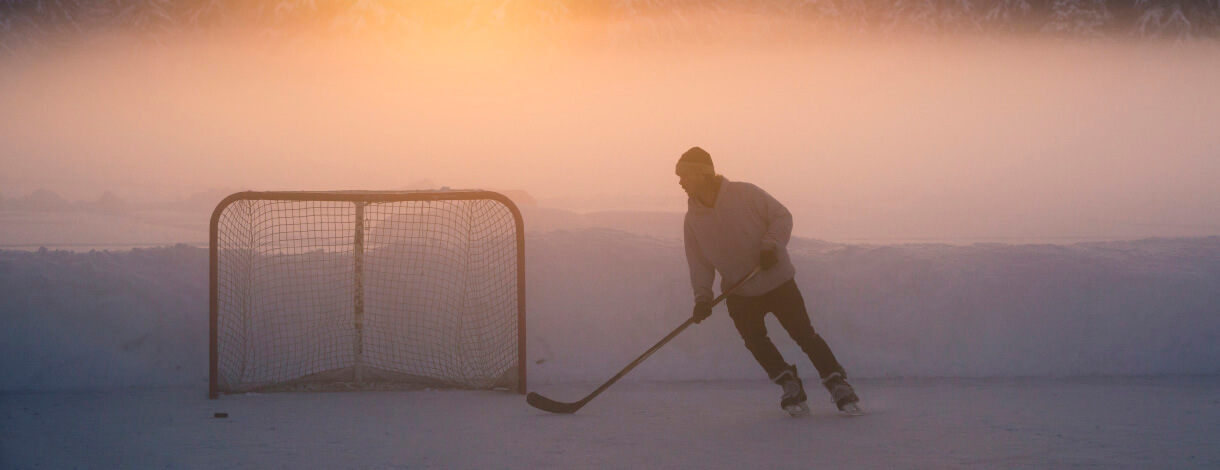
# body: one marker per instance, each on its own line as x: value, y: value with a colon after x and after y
x: 546, y: 404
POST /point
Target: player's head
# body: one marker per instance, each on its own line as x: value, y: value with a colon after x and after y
x: 695, y: 170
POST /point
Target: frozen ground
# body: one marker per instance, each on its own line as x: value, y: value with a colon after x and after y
x: 136, y: 321
x: 912, y: 423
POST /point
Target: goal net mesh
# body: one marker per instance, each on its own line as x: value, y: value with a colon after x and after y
x: 365, y: 294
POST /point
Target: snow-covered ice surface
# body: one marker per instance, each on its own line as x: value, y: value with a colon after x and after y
x: 911, y: 423
x: 103, y: 363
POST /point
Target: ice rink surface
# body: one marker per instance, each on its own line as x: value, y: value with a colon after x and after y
x: 1169, y: 422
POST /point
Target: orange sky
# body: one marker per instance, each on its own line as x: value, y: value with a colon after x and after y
x: 862, y: 140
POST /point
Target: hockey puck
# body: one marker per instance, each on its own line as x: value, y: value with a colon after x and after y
x: 220, y: 415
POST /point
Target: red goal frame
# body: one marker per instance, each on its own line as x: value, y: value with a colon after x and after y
x: 358, y: 197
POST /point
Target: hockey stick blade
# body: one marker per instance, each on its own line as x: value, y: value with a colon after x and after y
x: 546, y: 404
x: 551, y: 406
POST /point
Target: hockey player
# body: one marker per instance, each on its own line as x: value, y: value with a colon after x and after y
x: 731, y: 227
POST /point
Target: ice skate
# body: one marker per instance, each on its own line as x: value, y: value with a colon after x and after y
x: 843, y: 395
x: 793, y: 399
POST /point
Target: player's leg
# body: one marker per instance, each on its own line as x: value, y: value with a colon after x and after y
x: 748, y: 314
x: 789, y: 307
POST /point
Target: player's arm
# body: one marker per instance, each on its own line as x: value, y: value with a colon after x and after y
x: 702, y: 275
x: 779, y: 225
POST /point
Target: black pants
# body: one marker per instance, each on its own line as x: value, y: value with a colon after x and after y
x: 789, y: 308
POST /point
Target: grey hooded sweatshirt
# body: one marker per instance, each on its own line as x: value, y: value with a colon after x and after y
x: 729, y: 236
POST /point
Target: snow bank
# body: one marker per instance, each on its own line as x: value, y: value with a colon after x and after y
x: 103, y: 319
x: 597, y: 298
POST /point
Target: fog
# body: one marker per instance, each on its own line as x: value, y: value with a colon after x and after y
x: 945, y: 138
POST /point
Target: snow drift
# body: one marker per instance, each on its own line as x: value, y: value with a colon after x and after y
x: 598, y: 297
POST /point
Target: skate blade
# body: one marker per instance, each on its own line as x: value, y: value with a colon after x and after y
x: 797, y: 410
x: 852, y: 409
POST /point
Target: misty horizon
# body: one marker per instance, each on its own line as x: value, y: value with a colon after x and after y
x: 928, y: 137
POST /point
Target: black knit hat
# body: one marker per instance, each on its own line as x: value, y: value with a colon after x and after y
x: 695, y: 161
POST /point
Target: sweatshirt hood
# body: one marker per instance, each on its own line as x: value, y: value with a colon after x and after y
x: 693, y: 204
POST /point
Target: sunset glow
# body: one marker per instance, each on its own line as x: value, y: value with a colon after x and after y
x: 885, y: 137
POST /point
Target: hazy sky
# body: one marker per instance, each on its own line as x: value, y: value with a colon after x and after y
x: 862, y: 140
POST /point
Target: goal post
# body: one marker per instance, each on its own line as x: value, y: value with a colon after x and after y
x: 366, y: 290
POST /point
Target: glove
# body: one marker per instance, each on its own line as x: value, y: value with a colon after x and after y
x: 767, y: 259
x: 703, y: 309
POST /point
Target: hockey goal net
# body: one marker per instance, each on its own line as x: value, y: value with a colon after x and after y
x: 366, y: 290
